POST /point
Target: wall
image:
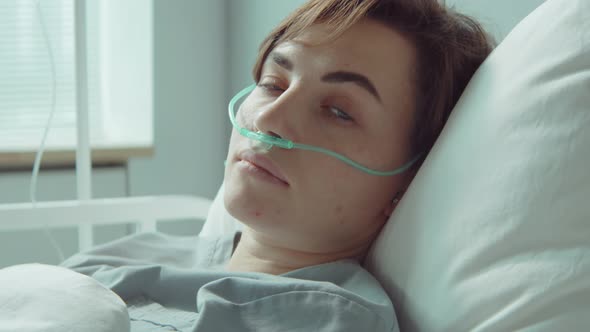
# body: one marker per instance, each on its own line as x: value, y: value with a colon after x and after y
x: 249, y: 22
x: 190, y: 98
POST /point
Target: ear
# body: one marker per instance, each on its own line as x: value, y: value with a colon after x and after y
x: 388, y: 210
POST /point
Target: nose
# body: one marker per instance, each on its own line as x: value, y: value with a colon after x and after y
x: 281, y: 117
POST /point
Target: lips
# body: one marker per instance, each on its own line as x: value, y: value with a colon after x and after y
x: 262, y: 162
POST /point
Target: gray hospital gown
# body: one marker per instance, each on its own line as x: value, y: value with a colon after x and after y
x: 173, y: 283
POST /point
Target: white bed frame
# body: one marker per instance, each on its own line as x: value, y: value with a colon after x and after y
x: 143, y: 211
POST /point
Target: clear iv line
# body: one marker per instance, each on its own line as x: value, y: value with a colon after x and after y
x: 39, y: 156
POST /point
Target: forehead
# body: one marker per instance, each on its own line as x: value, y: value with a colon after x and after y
x: 368, y: 47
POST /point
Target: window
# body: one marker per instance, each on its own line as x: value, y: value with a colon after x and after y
x: 119, y: 76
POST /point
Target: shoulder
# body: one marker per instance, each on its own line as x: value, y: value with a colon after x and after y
x: 345, y: 277
x: 148, y: 250
x: 339, y: 296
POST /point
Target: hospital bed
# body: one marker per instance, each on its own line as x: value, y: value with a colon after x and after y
x: 494, y: 232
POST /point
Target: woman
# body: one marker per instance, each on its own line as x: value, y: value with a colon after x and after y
x: 372, y: 81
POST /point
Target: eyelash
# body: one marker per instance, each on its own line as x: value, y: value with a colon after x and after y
x: 338, y: 114
x: 270, y: 86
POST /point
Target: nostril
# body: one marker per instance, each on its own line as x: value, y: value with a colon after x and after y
x: 273, y: 134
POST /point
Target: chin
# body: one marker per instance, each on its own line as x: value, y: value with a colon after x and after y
x: 243, y: 203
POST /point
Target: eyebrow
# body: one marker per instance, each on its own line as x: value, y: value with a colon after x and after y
x: 333, y: 77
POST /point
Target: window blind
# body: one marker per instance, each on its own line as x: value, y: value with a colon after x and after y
x: 26, y: 75
x: 119, y: 56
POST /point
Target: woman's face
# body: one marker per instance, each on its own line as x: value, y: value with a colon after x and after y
x: 353, y: 95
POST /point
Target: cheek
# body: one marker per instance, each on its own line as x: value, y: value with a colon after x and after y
x: 335, y: 185
x: 350, y: 195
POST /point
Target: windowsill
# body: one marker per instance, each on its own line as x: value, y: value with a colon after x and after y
x: 67, y: 158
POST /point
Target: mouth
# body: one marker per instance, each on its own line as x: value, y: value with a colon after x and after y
x: 263, y: 163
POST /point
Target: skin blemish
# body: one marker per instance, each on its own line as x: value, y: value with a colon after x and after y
x: 257, y: 213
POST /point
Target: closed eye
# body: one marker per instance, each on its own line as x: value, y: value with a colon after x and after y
x: 270, y: 87
x: 333, y: 111
x: 339, y: 114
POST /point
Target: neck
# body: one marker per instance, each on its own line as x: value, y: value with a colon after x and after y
x: 255, y: 253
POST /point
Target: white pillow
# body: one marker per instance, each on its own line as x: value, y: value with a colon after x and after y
x: 494, y: 232
x: 45, y: 298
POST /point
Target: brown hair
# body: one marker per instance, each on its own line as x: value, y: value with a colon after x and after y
x: 450, y: 48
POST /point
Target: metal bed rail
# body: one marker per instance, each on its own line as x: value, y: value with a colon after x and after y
x: 144, y: 211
